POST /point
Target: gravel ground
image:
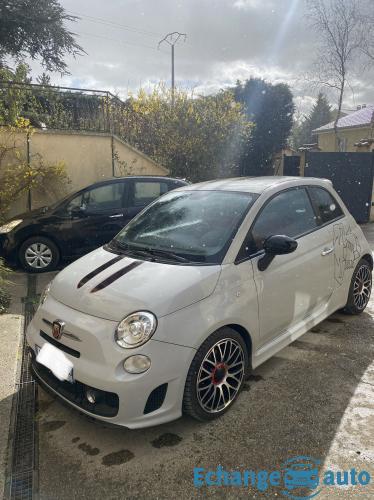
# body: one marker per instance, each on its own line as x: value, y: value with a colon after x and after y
x: 11, y: 329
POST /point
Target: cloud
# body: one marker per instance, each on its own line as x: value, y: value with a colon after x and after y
x: 226, y: 41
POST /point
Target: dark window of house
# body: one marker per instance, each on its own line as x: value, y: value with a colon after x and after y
x: 328, y: 207
x: 289, y: 213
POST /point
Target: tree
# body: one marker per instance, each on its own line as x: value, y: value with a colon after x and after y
x: 320, y: 115
x: 343, y: 28
x: 270, y: 108
x: 36, y: 29
x: 198, y: 138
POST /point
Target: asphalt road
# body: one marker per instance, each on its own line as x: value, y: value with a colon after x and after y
x: 315, y: 398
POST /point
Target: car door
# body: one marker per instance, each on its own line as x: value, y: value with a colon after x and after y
x: 94, y: 216
x: 295, y: 285
x: 141, y: 193
x: 342, y: 244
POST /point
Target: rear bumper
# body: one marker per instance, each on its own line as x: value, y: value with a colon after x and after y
x: 133, y: 401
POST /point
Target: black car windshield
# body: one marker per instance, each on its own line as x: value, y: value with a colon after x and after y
x: 187, y: 226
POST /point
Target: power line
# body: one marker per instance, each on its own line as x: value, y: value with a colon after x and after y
x: 126, y: 42
x: 114, y: 24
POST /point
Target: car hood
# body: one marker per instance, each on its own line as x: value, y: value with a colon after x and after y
x: 108, y: 286
x: 31, y: 214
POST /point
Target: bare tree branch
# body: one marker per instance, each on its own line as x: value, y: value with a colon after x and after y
x: 345, y: 32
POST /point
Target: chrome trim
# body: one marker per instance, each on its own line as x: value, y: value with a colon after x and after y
x: 71, y: 336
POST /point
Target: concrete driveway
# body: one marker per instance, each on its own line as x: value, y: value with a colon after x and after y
x: 315, y: 398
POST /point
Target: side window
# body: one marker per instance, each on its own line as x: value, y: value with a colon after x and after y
x: 289, y: 213
x: 328, y: 208
x: 147, y: 191
x: 103, y: 198
x: 74, y: 203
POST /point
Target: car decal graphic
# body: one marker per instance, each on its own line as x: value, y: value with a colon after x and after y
x: 116, y: 275
x: 347, y: 251
x: 97, y: 271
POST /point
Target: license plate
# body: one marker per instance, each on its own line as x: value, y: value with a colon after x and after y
x: 56, y: 361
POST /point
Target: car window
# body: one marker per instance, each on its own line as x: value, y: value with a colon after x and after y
x: 147, y: 191
x: 74, y: 203
x: 198, y: 225
x: 106, y: 197
x: 289, y: 213
x: 328, y: 207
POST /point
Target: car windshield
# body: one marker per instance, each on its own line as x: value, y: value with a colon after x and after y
x: 187, y: 226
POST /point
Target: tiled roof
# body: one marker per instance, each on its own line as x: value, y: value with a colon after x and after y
x: 359, y: 118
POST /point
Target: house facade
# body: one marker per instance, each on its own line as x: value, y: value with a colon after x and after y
x: 355, y: 132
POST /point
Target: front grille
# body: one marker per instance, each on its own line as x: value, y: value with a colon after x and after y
x: 156, y: 399
x: 106, y: 402
x: 62, y: 347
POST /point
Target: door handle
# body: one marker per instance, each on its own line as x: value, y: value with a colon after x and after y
x: 115, y: 216
x: 326, y: 251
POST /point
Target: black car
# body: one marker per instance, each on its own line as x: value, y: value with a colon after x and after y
x: 38, y: 240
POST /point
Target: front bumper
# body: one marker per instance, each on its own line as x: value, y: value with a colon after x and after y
x: 100, y: 367
x: 8, y: 250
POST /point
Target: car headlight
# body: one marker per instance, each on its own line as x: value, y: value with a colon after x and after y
x: 136, y: 329
x: 44, y: 294
x: 6, y: 228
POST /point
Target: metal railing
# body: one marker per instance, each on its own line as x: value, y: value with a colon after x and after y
x: 63, y: 108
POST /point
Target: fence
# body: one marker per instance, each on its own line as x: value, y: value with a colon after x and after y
x: 63, y: 108
x: 351, y: 175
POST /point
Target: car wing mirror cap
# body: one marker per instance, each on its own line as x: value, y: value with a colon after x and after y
x: 278, y: 244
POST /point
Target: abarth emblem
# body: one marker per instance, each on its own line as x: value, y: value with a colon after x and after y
x: 57, y: 329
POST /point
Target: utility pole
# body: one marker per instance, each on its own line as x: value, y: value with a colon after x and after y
x: 172, y: 39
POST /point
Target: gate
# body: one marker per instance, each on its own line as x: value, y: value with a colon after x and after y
x: 351, y: 175
x: 291, y: 165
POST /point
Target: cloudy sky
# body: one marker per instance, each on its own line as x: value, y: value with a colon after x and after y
x: 226, y: 40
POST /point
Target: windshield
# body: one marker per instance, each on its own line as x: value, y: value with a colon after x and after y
x: 197, y: 226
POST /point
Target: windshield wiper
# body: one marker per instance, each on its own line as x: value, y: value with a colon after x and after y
x: 146, y: 252
x: 154, y: 252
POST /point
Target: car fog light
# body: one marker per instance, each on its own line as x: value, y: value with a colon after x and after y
x: 91, y: 396
x: 137, y: 364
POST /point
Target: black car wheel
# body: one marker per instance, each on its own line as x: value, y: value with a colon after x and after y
x: 39, y: 254
x: 360, y: 289
x: 216, y: 375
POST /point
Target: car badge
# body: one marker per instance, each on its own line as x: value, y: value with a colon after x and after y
x: 57, y: 329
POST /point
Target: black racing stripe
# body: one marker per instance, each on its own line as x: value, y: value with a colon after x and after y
x: 116, y: 275
x: 92, y: 274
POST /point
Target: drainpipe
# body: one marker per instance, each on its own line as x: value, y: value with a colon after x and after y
x: 29, y: 201
x: 112, y: 151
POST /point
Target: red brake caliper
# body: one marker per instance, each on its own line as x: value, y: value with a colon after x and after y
x: 221, y: 369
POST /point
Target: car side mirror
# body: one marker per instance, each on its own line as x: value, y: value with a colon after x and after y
x: 279, y: 244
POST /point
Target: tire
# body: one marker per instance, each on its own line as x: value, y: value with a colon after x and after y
x: 210, y: 388
x: 360, y: 288
x: 38, y: 255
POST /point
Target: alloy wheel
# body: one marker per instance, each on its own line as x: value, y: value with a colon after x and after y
x: 220, y: 376
x: 362, y: 287
x: 38, y: 255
